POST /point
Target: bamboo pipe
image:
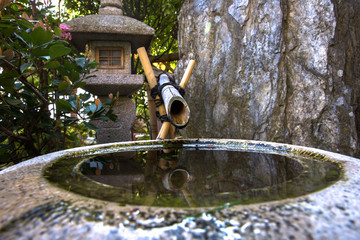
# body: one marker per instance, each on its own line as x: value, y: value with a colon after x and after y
x: 184, y: 81
x: 175, y: 105
x: 150, y: 76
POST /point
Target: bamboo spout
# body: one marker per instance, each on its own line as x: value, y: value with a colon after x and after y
x: 184, y: 112
x: 176, y: 107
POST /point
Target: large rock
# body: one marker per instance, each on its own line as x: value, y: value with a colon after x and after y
x: 281, y: 70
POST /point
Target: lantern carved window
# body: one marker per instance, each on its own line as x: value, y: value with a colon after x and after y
x: 110, y: 57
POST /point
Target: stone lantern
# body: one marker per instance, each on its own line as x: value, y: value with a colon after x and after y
x: 111, y: 39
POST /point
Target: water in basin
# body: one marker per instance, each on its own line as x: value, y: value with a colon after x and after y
x: 191, y: 177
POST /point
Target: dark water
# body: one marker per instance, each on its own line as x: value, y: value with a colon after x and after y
x: 191, y: 178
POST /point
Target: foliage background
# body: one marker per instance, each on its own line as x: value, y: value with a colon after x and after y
x: 40, y: 108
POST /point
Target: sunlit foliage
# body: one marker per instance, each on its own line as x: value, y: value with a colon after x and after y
x: 40, y: 110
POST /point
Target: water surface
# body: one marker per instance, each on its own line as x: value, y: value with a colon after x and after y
x: 188, y: 177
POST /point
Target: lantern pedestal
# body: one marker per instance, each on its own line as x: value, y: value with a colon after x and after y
x: 110, y: 131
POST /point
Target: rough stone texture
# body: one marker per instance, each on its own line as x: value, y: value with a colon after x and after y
x: 124, y: 84
x: 111, y: 3
x: 103, y: 84
x: 110, y: 131
x: 110, y: 11
x: 282, y: 70
x: 32, y: 208
x: 111, y: 7
x: 109, y: 28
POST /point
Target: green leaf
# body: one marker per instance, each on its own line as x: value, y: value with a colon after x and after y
x: 87, y: 96
x: 6, y: 25
x: 62, y: 70
x: 25, y: 66
x: 74, y: 76
x: 40, y: 36
x: 63, y: 85
x: 80, y: 84
x: 92, y: 65
x: 7, y: 80
x: 80, y: 62
x: 15, y: 7
x: 56, y: 82
x: 52, y: 65
x: 12, y: 101
x: 108, y: 101
x: 56, y: 135
x: 72, y: 98
x: 63, y: 106
x: 104, y: 118
x: 11, y: 74
x: 25, y: 39
x: 57, y: 31
x: 69, y: 66
x: 90, y: 126
x: 58, y: 50
x: 74, y: 104
x: 40, y: 52
x: 92, y: 108
x: 25, y: 23
x: 98, y: 112
x: 114, y: 117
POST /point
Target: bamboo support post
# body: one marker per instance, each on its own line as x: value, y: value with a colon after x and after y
x: 164, y: 130
x: 185, y: 79
x: 171, y: 134
x: 152, y: 114
x: 188, y: 198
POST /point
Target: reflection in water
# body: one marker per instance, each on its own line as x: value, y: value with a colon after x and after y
x: 193, y: 178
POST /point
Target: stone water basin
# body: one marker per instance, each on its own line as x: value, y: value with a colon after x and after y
x: 200, y: 189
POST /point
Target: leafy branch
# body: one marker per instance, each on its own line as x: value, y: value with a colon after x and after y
x: 40, y: 109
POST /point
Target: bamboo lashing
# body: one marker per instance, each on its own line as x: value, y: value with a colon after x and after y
x: 149, y: 73
x: 177, y: 109
x: 152, y: 114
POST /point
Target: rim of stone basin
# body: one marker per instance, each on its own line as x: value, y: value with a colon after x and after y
x: 201, y: 144
x: 198, y: 143
x: 24, y: 189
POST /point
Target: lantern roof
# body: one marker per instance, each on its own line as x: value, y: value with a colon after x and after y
x: 110, y: 25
